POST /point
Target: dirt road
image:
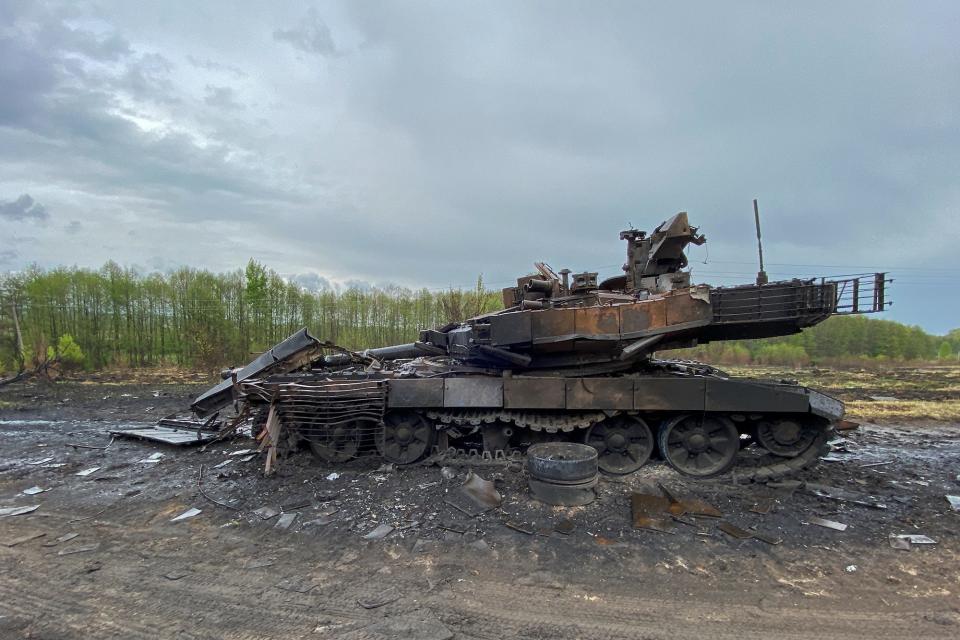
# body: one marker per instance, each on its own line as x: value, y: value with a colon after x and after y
x: 230, y: 573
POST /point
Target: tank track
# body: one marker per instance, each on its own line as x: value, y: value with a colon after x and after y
x: 768, y: 468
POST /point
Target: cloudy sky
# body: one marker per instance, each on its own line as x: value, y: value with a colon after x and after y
x: 424, y: 143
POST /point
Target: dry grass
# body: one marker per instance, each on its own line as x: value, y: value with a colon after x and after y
x: 895, y: 393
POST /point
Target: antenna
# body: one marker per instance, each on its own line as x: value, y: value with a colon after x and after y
x: 761, y: 275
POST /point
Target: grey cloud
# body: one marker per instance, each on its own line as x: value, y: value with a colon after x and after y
x: 73, y: 227
x: 312, y: 35
x: 313, y: 282
x: 24, y: 208
x: 222, y: 98
x: 210, y: 65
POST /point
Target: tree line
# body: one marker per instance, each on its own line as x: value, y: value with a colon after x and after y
x: 116, y: 316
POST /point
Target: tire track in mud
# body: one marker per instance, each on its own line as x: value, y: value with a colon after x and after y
x: 509, y: 610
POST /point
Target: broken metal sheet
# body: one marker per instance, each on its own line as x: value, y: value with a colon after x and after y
x: 189, y: 513
x: 475, y: 496
x: 67, y: 537
x: 897, y: 542
x: 762, y: 537
x: 651, y: 512
x: 27, y: 538
x: 151, y: 459
x: 386, y: 597
x: 32, y: 491
x: 240, y: 452
x: 763, y: 506
x: 82, y: 549
x: 222, y: 464
x: 17, y: 511
x: 914, y: 538
x: 734, y: 531
x: 829, y: 524
x: 285, y: 520
x: 266, y: 512
x: 519, y: 526
x: 87, y: 472
x: 845, y: 495
x: 954, y: 502
x: 565, y: 526
x: 694, y: 507
x: 166, y: 435
x: 381, y: 532
x: 323, y: 519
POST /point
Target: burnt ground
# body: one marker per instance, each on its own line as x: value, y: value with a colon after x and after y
x: 228, y: 573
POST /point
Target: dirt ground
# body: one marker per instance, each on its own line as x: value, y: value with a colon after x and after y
x: 229, y: 573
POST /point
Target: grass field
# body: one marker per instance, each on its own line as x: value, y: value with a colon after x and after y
x: 894, y: 393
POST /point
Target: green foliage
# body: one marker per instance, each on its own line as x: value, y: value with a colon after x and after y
x: 201, y: 319
x: 945, y: 352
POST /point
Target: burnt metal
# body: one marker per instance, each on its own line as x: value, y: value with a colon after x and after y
x: 563, y: 494
x: 562, y: 462
x: 567, y: 359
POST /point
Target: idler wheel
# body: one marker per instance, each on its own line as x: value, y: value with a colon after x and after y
x: 699, y: 445
x: 563, y: 462
x: 623, y: 443
x: 338, y: 443
x: 787, y: 438
x: 405, y: 437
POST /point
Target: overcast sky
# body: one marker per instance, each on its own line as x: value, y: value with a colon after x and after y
x: 424, y: 143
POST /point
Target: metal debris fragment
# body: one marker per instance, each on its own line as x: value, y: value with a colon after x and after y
x: 651, y: 512
x: 379, y: 600
x: 152, y: 458
x: 954, y: 502
x: 323, y: 519
x: 67, y: 537
x: 189, y: 513
x: 17, y: 511
x: 333, y: 476
x: 285, y: 520
x: 565, y: 526
x: 763, y: 506
x: 845, y: 495
x: 32, y: 491
x: 734, y: 531
x: 87, y: 472
x: 176, y: 575
x: 27, y: 538
x: 266, y: 512
x: 518, y: 526
x: 41, y: 461
x: 82, y: 549
x: 379, y: 533
x: 914, y: 538
x: 475, y: 496
x: 829, y: 524
x: 223, y: 464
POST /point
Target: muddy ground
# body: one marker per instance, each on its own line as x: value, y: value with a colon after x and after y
x: 228, y: 573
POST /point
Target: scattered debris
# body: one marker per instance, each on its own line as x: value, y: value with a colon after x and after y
x: 651, y: 512
x: 67, y: 537
x: 517, y: 526
x: 152, y: 458
x: 42, y: 461
x: 381, y: 599
x: 167, y: 435
x: 32, y: 491
x: 914, y: 538
x: 189, y: 513
x: 829, y: 524
x: 448, y: 473
x: 954, y: 502
x: 565, y: 526
x: 223, y: 464
x: 475, y: 496
x: 324, y: 519
x: 896, y: 542
x: 763, y: 506
x: 381, y: 532
x: 17, y: 511
x: 240, y: 452
x: 27, y: 538
x: 176, y: 575
x: 266, y: 512
x: 734, y: 531
x: 208, y: 496
x: 285, y: 520
x: 82, y: 549
x: 844, y: 495
x: 87, y: 472
x: 333, y: 476
x: 850, y: 568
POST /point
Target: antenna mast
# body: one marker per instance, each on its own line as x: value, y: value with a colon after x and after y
x: 761, y: 275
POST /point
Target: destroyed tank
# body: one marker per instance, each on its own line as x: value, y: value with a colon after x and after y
x: 568, y: 358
